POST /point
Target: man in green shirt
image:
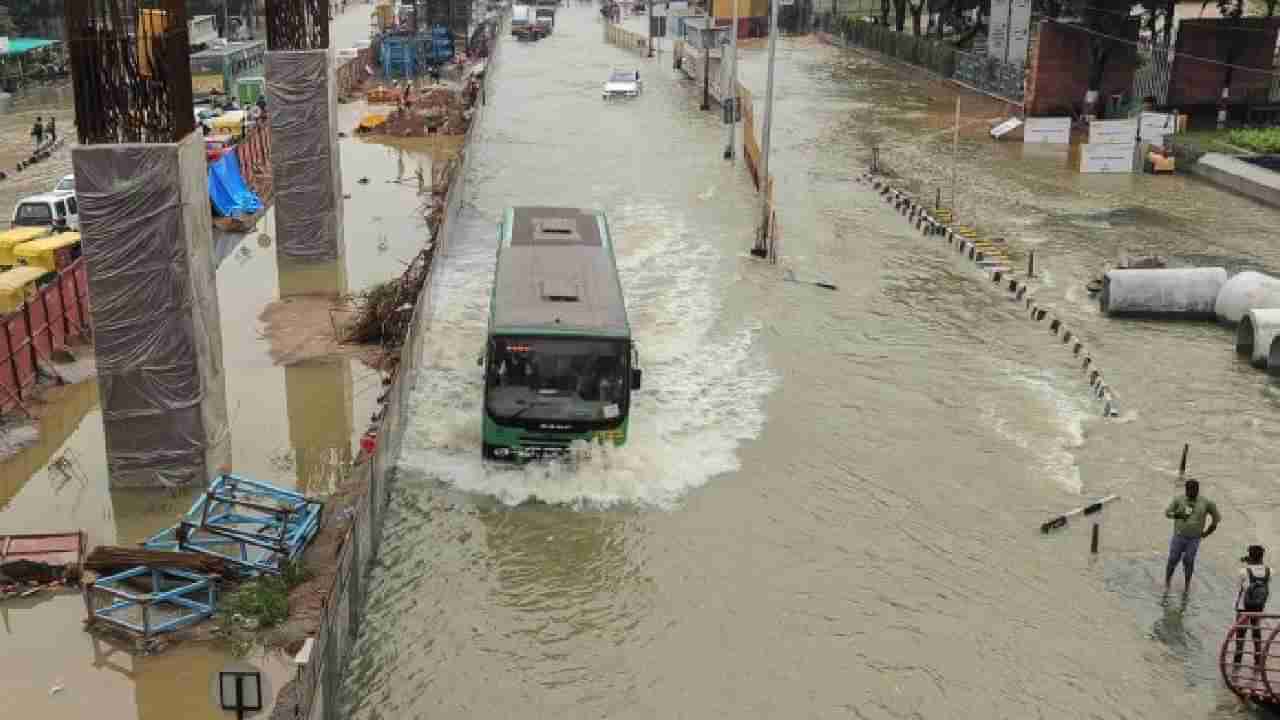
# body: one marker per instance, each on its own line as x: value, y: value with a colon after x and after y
x: 1188, y: 513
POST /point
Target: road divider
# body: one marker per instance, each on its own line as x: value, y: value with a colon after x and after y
x: 991, y: 256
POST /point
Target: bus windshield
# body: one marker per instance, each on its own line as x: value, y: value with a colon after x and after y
x: 557, y: 379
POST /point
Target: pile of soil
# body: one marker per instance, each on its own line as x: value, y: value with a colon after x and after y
x: 438, y: 110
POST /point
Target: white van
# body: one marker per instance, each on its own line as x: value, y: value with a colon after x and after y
x: 47, y: 210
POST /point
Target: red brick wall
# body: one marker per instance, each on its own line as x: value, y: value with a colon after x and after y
x: 1059, y: 75
x: 1193, y: 81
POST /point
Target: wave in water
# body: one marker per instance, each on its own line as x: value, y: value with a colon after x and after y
x: 1053, y: 445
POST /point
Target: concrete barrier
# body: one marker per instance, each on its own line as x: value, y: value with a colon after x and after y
x: 1180, y: 292
x: 1244, y: 292
x: 1256, y: 335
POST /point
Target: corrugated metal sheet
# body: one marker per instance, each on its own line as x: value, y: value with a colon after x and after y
x: 49, y: 548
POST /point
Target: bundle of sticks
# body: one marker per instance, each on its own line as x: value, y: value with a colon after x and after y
x: 110, y: 558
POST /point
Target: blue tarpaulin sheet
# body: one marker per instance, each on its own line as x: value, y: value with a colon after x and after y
x: 227, y: 192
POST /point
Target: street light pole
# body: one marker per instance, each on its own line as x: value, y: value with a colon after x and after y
x: 729, y: 151
x: 649, y: 4
x: 761, y: 248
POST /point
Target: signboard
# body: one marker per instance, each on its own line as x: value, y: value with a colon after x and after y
x: 1106, y: 158
x: 1005, y: 127
x: 998, y: 30
x: 1113, y: 131
x: 1009, y: 30
x: 1019, y: 31
x: 1054, y: 130
x: 1152, y: 126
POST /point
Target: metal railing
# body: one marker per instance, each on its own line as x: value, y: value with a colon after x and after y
x: 1250, y: 657
x: 52, y: 317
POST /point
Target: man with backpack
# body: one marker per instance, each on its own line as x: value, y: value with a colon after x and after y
x: 1255, y: 587
x: 1188, y: 514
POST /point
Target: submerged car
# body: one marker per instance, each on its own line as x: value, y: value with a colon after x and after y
x: 622, y: 83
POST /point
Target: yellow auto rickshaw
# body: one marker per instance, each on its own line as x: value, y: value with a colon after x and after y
x: 17, y: 285
x: 53, y: 253
x: 10, y: 239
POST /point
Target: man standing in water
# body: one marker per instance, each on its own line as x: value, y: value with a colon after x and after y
x: 1188, y: 513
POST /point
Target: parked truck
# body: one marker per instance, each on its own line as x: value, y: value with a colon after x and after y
x: 544, y: 15
x: 524, y: 25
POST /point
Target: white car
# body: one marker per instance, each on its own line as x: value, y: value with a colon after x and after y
x: 622, y: 83
x: 48, y: 210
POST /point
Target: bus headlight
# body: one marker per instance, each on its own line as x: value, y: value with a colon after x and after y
x: 501, y: 452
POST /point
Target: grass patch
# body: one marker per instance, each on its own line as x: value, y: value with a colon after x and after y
x: 1209, y: 141
x: 258, y: 604
x: 1262, y: 140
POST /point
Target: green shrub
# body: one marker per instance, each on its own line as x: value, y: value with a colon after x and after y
x: 264, y: 601
x: 1263, y: 140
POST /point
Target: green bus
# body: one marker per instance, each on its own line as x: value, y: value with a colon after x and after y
x: 559, y: 361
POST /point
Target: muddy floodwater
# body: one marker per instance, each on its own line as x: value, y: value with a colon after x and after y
x: 295, y: 426
x: 830, y: 502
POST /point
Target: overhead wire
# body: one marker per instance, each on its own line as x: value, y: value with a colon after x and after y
x: 1175, y: 53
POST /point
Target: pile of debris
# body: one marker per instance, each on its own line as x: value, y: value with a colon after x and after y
x: 384, y: 311
x: 437, y: 110
x: 41, y: 561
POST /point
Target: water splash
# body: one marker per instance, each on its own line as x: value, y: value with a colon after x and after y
x: 705, y: 382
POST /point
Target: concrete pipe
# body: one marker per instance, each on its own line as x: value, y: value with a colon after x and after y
x: 1181, y: 292
x: 1256, y: 334
x: 1244, y: 292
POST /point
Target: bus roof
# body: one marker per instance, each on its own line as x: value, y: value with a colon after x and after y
x: 556, y: 275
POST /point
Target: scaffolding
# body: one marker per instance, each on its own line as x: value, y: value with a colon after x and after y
x: 169, y: 602
x: 256, y: 527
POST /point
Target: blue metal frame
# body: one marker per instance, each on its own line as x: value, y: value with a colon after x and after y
x: 253, y: 525
x: 111, y: 585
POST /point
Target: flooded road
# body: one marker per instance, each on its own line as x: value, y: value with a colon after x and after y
x: 293, y: 425
x: 830, y: 501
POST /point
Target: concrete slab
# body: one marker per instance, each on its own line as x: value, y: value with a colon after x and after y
x: 1235, y: 174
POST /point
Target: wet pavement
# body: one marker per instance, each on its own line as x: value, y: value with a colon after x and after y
x: 295, y: 426
x: 829, y: 504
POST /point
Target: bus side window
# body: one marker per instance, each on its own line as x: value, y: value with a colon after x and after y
x: 71, y: 205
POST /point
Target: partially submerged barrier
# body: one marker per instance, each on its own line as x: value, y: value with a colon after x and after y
x: 992, y: 257
x: 1169, y: 292
x: 615, y: 35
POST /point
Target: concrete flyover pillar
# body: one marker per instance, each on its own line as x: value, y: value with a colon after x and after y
x: 144, y: 213
x: 306, y: 169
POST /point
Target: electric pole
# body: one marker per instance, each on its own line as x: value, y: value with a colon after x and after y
x: 730, y: 151
x: 761, y: 248
x: 955, y: 159
x: 650, y: 6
